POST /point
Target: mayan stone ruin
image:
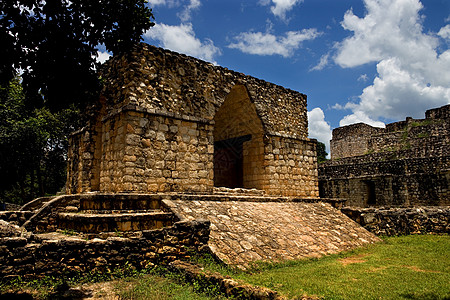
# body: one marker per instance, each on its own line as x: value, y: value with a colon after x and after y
x: 405, y: 164
x: 172, y: 123
x: 181, y: 156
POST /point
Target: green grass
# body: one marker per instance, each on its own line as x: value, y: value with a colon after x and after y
x: 408, y: 267
x: 159, y: 288
x: 158, y: 284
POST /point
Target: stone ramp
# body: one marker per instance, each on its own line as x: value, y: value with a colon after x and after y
x: 244, y: 232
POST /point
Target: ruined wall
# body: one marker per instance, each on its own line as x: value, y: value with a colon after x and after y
x: 423, y: 137
x: 291, y: 167
x: 80, y: 156
x: 162, y: 115
x: 408, y: 163
x: 402, y: 221
x: 156, y: 153
x: 352, y: 140
x: 162, y: 80
x: 28, y: 254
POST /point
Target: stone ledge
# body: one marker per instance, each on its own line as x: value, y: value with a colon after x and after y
x: 156, y: 112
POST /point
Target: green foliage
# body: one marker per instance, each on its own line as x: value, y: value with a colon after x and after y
x: 33, y: 144
x: 423, y: 135
x: 421, y: 123
x: 321, y: 153
x: 54, y: 43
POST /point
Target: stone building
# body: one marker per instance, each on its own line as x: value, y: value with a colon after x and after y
x: 406, y: 163
x: 167, y: 122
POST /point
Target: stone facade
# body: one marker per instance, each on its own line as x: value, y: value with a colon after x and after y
x: 53, y: 254
x: 402, y: 221
x: 406, y: 163
x: 167, y: 122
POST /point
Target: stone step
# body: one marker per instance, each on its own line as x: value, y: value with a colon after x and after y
x: 238, y: 191
x: 121, y: 203
x: 110, y: 222
x: 116, y: 211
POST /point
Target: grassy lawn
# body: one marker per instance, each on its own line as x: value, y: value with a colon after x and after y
x: 157, y: 288
x: 408, y: 267
x: 145, y: 285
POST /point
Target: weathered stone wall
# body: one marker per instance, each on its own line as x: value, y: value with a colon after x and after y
x: 422, y: 137
x: 351, y: 140
x: 158, y: 79
x: 402, y: 221
x: 147, y: 152
x: 291, y: 167
x: 162, y: 116
x: 408, y: 163
x: 54, y: 254
x: 80, y: 161
x: 415, y: 181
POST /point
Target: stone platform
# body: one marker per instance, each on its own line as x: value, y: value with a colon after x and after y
x: 244, y: 225
x: 246, y: 231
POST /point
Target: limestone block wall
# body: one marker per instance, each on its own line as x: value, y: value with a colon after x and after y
x: 291, y: 167
x: 80, y: 169
x: 422, y: 137
x: 407, y: 163
x: 159, y: 79
x: 28, y: 254
x: 156, y: 153
x: 351, y: 140
x: 401, y: 221
x: 377, y: 180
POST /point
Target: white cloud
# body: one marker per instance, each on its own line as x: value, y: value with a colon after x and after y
x: 412, y: 75
x: 281, y: 7
x: 268, y: 44
x: 445, y: 32
x: 322, y: 63
x: 318, y: 128
x: 182, y: 39
x: 360, y: 117
x: 186, y: 14
x: 169, y: 3
x: 363, y: 77
x: 102, y: 56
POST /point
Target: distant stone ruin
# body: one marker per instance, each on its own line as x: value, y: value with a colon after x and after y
x: 405, y: 164
x: 172, y: 123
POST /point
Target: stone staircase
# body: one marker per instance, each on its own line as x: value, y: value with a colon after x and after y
x: 104, y: 214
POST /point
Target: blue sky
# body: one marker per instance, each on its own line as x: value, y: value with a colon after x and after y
x: 372, y: 61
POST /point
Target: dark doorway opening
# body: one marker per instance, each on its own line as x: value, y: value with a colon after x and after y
x: 370, y: 195
x: 228, y: 162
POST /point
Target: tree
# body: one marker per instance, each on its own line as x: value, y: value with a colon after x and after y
x: 321, y: 153
x: 32, y: 146
x: 54, y: 43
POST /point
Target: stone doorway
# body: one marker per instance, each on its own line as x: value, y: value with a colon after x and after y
x: 228, y: 162
x: 238, y: 142
x: 370, y: 195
